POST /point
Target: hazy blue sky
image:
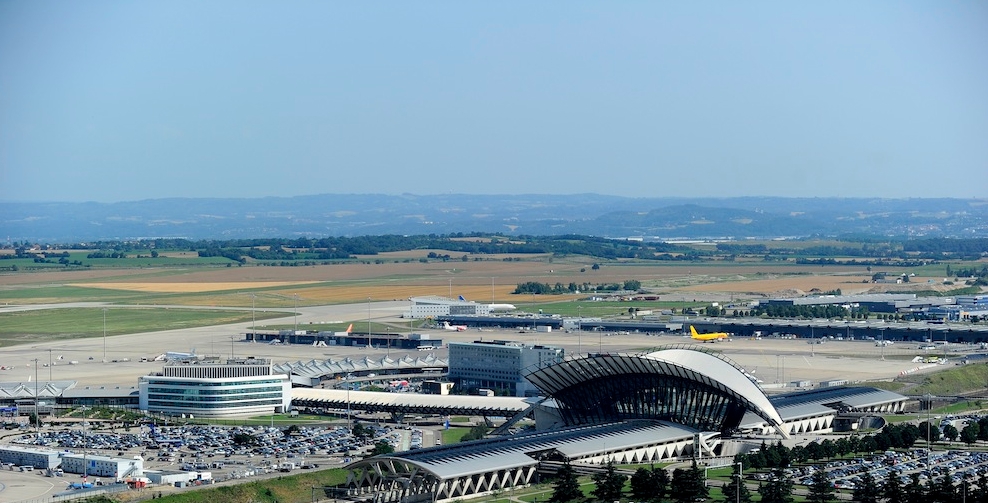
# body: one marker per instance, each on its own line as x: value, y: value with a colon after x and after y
x: 109, y: 101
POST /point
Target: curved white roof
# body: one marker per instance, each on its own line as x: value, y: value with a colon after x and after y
x: 723, y: 372
x: 683, y: 362
x: 504, y: 453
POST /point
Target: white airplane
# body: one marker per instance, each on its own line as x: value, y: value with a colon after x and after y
x: 174, y: 355
x: 495, y: 307
x: 456, y: 328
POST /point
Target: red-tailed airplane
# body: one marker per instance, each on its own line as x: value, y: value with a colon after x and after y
x: 457, y: 328
x: 711, y: 337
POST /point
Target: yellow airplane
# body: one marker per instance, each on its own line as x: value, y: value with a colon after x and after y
x: 711, y: 337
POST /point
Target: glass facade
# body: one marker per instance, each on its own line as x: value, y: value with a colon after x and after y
x: 240, y: 387
x: 705, y: 392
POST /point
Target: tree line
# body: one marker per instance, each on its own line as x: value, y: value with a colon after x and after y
x: 325, y: 248
x: 534, y: 287
x: 655, y: 485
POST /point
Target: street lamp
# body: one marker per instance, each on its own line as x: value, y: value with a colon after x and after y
x: 737, y: 490
x: 349, y: 421
x: 85, y: 445
x: 929, y: 426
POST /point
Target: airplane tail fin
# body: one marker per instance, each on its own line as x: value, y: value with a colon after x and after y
x: 349, y: 329
x: 462, y: 299
x: 693, y: 331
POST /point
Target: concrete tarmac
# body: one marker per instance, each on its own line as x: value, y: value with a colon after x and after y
x: 773, y: 361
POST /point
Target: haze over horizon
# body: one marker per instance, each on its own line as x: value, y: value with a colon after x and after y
x: 119, y: 101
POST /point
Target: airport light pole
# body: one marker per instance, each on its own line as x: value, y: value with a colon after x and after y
x: 104, y: 335
x: 579, y: 330
x: 296, y: 312
x: 882, y: 337
x: 49, y: 364
x: 37, y: 409
x: 368, y: 322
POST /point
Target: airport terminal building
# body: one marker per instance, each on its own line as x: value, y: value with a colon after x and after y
x: 675, y: 403
x: 210, y: 388
x: 498, y: 364
x: 434, y: 306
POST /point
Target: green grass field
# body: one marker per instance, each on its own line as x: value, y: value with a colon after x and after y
x: 73, y: 323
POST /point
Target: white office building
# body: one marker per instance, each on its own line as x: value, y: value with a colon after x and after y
x: 27, y: 456
x: 433, y: 306
x: 498, y: 364
x: 210, y: 388
x: 93, y: 465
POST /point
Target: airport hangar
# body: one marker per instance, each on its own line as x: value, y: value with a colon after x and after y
x: 749, y: 327
x: 673, y: 403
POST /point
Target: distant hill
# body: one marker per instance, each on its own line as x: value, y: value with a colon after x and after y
x: 530, y: 214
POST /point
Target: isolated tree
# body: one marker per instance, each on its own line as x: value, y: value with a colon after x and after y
x: 687, y: 485
x: 950, y: 432
x: 734, y: 489
x: 381, y: 447
x: 892, y: 489
x: 641, y: 484
x: 843, y: 446
x: 608, y: 484
x: 660, y: 479
x: 868, y: 490
x: 820, y: 490
x: 970, y: 433
x: 929, y: 431
x: 915, y: 492
x: 980, y: 493
x: 778, y: 488
x: 566, y: 487
x: 649, y: 484
x: 242, y: 438
x: 942, y: 490
x: 476, y: 433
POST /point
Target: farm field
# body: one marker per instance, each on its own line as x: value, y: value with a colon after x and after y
x: 393, y: 277
x: 154, y: 310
